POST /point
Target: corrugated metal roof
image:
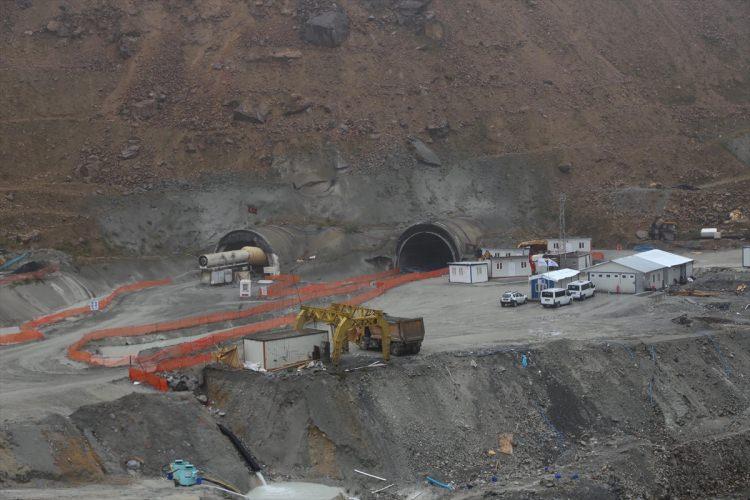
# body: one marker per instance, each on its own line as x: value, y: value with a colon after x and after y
x: 639, y: 264
x: 469, y: 263
x: 560, y: 274
x: 664, y: 258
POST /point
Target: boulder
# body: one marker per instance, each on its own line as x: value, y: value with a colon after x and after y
x: 256, y: 114
x: 438, y: 128
x: 425, y: 154
x: 131, y: 150
x: 328, y: 29
x: 641, y: 234
x: 565, y: 168
x: 145, y: 109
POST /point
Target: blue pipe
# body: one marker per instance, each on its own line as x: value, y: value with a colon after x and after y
x: 438, y: 483
x: 14, y: 260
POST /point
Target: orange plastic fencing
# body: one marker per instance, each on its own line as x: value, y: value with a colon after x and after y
x: 21, y: 337
x: 30, y: 328
x: 151, y: 379
x: 299, y: 295
x: 34, y: 275
x: 597, y: 255
x: 175, y: 357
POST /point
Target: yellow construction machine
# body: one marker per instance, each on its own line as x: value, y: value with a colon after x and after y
x: 229, y: 356
x: 349, y: 324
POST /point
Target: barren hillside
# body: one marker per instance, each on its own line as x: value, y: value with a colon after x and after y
x: 219, y: 113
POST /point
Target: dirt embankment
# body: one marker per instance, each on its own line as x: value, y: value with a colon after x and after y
x: 648, y: 420
x: 613, y: 101
x: 613, y: 419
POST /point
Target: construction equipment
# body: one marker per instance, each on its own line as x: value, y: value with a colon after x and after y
x: 229, y: 356
x: 406, y: 336
x: 183, y: 473
x: 349, y: 323
x: 663, y: 230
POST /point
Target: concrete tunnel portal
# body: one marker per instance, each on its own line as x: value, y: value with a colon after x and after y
x: 432, y: 245
x: 424, y: 246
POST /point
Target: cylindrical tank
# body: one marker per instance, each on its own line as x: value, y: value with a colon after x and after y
x: 246, y: 255
x: 287, y: 243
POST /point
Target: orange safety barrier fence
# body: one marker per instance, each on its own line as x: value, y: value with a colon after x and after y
x: 35, y: 275
x: 176, y: 357
x: 21, y: 337
x: 302, y: 294
x: 151, y: 379
x: 30, y: 328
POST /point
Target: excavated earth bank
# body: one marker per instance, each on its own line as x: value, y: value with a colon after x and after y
x: 612, y: 418
x: 669, y: 418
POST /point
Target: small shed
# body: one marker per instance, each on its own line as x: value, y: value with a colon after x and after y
x: 282, y: 349
x: 571, y: 244
x: 574, y: 260
x: 552, y: 279
x: 630, y: 274
x: 679, y: 267
x: 506, y: 263
x: 746, y: 256
x: 468, y: 272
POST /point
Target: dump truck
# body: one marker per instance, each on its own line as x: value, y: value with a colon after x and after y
x: 406, y: 336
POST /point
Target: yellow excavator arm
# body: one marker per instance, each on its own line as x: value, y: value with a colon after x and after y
x: 349, y: 323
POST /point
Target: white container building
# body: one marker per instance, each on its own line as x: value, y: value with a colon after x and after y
x: 746, y: 256
x: 630, y: 274
x: 679, y: 267
x: 507, y: 263
x: 282, y: 349
x: 468, y: 272
x: 571, y: 244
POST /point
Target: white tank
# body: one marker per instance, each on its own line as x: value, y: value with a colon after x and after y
x: 247, y: 255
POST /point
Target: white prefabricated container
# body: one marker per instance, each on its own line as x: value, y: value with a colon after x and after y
x: 246, y: 289
x: 468, y: 272
x: 221, y: 277
x: 711, y: 233
x: 281, y: 349
x: 263, y: 287
x: 746, y: 256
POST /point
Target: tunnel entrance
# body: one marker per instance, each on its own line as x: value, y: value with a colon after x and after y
x: 425, y: 247
x: 242, y: 238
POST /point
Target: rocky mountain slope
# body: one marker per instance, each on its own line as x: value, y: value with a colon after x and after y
x: 109, y: 107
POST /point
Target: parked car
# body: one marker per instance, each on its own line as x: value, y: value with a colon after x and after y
x: 512, y: 299
x: 582, y: 289
x: 556, y: 297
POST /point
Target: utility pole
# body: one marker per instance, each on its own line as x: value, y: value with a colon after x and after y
x: 562, y: 223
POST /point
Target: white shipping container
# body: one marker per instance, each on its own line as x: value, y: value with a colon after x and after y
x: 277, y: 350
x: 468, y: 272
x: 710, y: 232
x: 746, y: 256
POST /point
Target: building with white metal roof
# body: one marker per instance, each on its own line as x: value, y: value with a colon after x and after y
x: 679, y: 267
x: 558, y: 278
x: 630, y: 274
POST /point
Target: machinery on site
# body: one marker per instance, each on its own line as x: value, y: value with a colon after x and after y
x: 369, y: 328
x: 663, y: 230
x: 228, y: 356
x: 226, y: 267
x: 183, y: 473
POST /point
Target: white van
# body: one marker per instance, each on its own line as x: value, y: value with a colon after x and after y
x: 556, y: 297
x: 582, y: 289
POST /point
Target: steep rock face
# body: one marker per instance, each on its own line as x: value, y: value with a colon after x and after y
x: 638, y: 96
